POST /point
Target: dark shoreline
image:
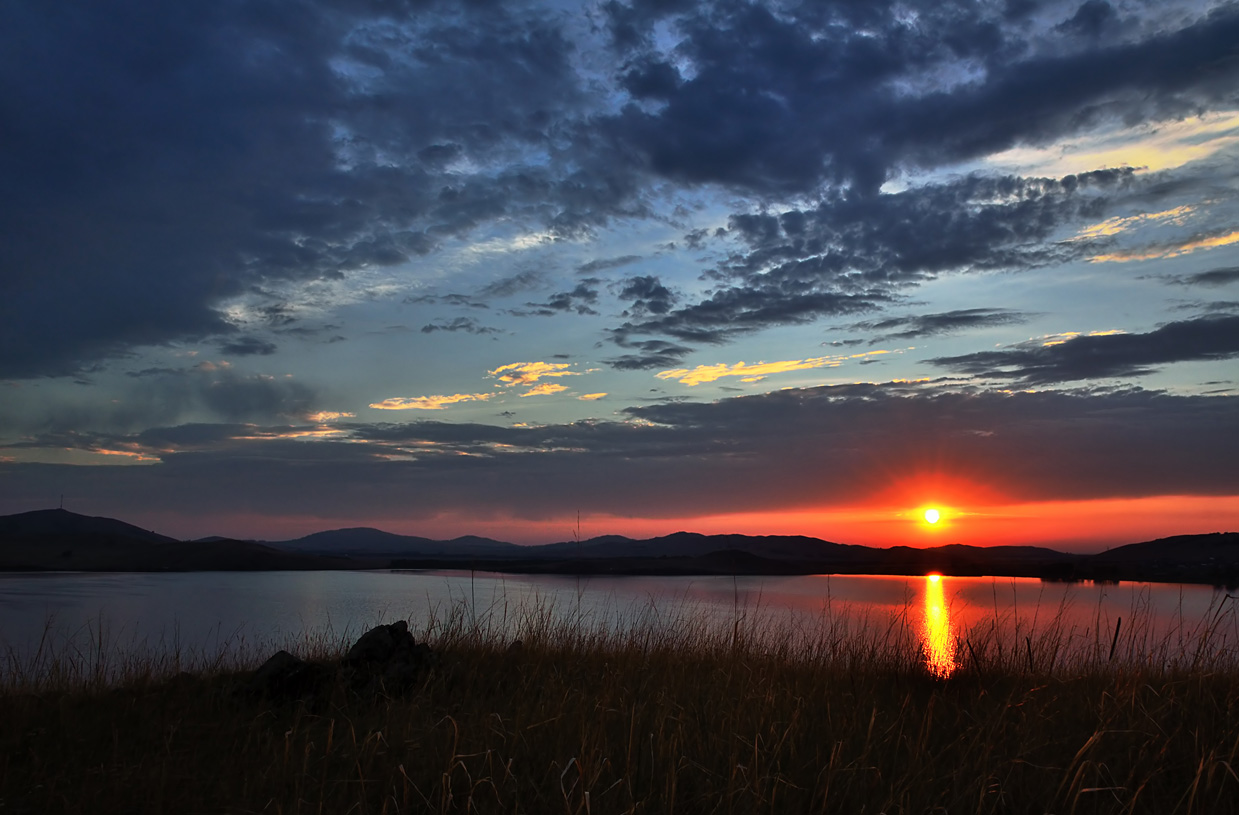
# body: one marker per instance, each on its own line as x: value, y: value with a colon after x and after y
x: 1068, y: 572
x: 1072, y: 569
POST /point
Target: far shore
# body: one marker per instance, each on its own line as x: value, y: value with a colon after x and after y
x: 671, y: 566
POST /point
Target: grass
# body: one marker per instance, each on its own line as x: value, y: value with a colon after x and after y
x: 663, y: 713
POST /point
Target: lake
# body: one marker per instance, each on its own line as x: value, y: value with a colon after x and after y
x: 197, y: 616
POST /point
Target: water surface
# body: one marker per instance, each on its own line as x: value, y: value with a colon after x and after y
x: 205, y: 613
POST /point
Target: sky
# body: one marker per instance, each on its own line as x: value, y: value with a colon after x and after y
x: 537, y: 270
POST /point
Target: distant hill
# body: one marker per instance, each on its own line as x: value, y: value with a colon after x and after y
x: 693, y: 544
x: 364, y: 541
x: 1219, y: 548
x: 43, y: 522
x: 60, y: 540
x: 1210, y: 558
x: 693, y: 553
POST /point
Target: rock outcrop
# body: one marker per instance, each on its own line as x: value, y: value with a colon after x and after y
x: 386, y: 660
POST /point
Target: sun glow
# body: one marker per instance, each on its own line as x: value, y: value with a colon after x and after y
x: 932, y: 516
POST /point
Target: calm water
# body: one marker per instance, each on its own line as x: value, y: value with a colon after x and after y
x: 206, y: 613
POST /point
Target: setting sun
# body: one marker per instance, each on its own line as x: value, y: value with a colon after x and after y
x: 932, y: 516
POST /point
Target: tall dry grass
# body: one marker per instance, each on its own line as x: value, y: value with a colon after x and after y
x: 657, y: 713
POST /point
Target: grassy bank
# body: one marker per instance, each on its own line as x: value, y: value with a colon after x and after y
x: 682, y: 715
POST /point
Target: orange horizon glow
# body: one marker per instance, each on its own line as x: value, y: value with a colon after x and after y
x: 1077, y: 526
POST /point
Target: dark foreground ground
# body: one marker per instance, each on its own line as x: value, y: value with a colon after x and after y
x: 684, y: 719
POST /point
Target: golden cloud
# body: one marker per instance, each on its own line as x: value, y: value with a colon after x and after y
x: 317, y: 433
x: 1067, y: 336
x: 328, y: 416
x: 1163, y: 146
x: 1169, y: 251
x: 1114, y: 226
x: 591, y: 397
x: 544, y: 389
x: 428, y: 402
x: 749, y: 373
x: 527, y: 373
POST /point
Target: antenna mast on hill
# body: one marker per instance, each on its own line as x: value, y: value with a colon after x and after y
x: 62, y: 500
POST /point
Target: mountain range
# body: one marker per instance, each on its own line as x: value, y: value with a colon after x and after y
x: 60, y: 540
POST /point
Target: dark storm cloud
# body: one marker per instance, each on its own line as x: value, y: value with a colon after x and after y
x: 973, y: 223
x: 1209, y: 307
x: 1213, y: 277
x: 786, y: 449
x: 603, y: 264
x: 165, y: 396
x: 1091, y: 20
x: 648, y: 295
x: 581, y: 300
x: 783, y: 102
x: 1103, y: 356
x: 514, y: 284
x: 236, y: 398
x: 650, y: 354
x: 461, y: 300
x: 466, y: 324
x: 855, y: 254
x: 248, y: 346
x: 737, y: 311
x: 160, y: 372
x: 948, y: 322
x: 190, y: 436
x: 161, y: 158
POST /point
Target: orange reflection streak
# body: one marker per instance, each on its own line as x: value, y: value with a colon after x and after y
x: 938, y: 642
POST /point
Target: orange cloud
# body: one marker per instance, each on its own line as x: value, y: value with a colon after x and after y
x: 136, y: 456
x: 591, y: 397
x: 754, y: 373
x: 1114, y: 226
x: 317, y: 433
x: 328, y: 416
x: 1171, y: 251
x: 1067, y: 336
x: 527, y: 373
x: 428, y: 402
x: 544, y: 389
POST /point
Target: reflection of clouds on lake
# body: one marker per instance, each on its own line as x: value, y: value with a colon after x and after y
x: 938, y: 641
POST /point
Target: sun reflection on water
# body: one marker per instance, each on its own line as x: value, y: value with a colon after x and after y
x: 937, y: 639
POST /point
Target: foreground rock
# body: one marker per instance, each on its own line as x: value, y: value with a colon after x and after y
x: 386, y: 660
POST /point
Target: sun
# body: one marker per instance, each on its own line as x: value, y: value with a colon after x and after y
x: 932, y: 516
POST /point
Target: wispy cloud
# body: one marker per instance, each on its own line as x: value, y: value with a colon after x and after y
x: 428, y: 402
x: 753, y: 373
x: 1213, y: 277
x: 545, y: 389
x: 1172, y: 250
x: 1107, y: 354
x: 949, y: 322
x: 1114, y: 226
x: 1153, y: 148
x: 591, y: 397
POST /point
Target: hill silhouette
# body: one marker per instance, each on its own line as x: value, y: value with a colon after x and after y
x: 45, y: 522
x: 57, y: 539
